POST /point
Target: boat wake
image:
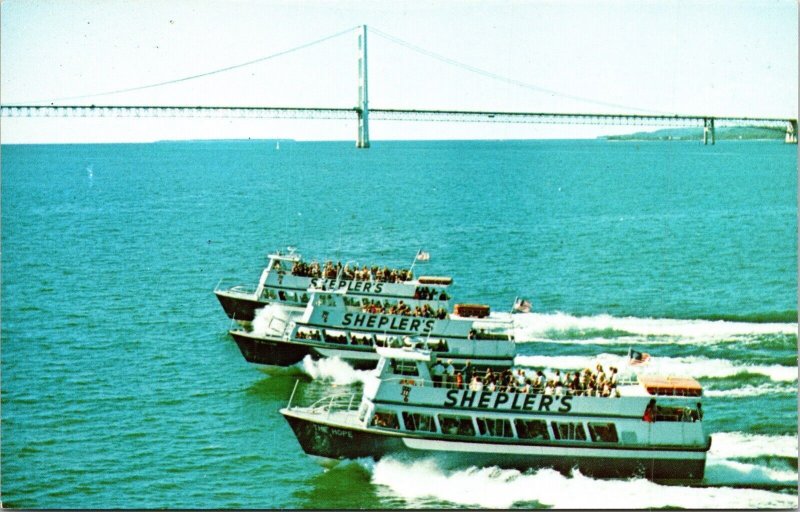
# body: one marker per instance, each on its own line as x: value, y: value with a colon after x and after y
x: 697, y: 367
x: 423, y: 483
x: 608, y: 329
x: 332, y: 369
x: 741, y: 444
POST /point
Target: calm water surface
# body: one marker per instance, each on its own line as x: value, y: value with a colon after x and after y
x: 120, y: 387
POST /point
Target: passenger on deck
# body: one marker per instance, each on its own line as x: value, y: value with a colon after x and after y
x: 438, y: 373
x: 450, y: 374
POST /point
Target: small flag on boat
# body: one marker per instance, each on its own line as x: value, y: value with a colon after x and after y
x: 521, y: 306
x: 423, y: 256
x: 636, y: 357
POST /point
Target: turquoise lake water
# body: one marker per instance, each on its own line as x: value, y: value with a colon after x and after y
x: 121, y: 388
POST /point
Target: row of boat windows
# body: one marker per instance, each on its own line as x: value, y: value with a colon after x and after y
x: 284, y: 296
x: 496, y: 427
x: 327, y: 300
x: 364, y: 339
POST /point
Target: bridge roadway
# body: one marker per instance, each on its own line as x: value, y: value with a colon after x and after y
x: 708, y: 122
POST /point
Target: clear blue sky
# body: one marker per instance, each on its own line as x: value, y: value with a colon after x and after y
x: 723, y: 57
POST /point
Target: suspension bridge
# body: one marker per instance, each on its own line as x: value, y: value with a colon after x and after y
x: 363, y: 113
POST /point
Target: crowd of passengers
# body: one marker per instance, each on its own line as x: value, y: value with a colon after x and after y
x: 332, y: 271
x: 588, y: 382
x: 401, y: 308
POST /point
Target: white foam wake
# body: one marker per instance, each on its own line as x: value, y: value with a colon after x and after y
x: 741, y: 444
x: 697, y: 367
x: 537, y: 326
x: 420, y: 482
x: 760, y: 390
x: 729, y: 472
x: 333, y: 369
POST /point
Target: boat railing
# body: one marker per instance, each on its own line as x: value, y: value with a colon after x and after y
x: 229, y: 285
x: 339, y: 402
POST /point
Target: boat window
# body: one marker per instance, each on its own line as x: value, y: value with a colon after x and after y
x: 282, y: 295
x: 419, y: 422
x: 532, y: 429
x: 568, y: 431
x: 439, y: 345
x: 457, y: 425
x: 304, y: 298
x: 381, y: 340
x: 361, y: 339
x: 400, y: 367
x: 291, y: 297
x: 664, y: 413
x: 304, y: 333
x: 332, y: 336
x: 268, y: 293
x: 385, y: 419
x: 603, y: 432
x: 495, y: 427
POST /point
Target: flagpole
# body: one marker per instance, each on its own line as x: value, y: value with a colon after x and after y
x: 415, y: 259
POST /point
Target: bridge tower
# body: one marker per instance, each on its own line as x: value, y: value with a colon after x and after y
x: 362, y: 108
x: 791, y: 132
x: 708, y: 130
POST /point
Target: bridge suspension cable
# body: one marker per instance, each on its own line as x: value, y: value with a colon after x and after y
x: 199, y: 75
x: 495, y: 76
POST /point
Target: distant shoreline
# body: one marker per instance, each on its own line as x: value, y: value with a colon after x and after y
x: 749, y: 133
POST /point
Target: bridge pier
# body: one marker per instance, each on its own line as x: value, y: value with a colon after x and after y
x: 708, y: 131
x: 791, y: 132
x: 362, y: 109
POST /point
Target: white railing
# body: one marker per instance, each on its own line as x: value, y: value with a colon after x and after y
x: 228, y: 285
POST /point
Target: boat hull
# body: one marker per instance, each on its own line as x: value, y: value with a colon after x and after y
x: 239, y: 307
x: 266, y: 351
x: 343, y: 442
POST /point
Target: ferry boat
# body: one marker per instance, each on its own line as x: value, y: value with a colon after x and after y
x: 287, y: 277
x: 649, y: 427
x: 336, y: 323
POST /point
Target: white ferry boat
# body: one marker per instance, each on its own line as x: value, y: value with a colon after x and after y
x: 336, y: 323
x: 287, y: 277
x: 649, y: 427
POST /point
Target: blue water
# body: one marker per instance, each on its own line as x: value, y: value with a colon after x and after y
x: 120, y: 387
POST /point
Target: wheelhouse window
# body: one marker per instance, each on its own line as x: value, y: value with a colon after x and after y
x: 385, y: 419
x: 603, y: 432
x: 532, y: 429
x: 494, y: 427
x: 568, y: 431
x: 417, y: 422
x: 268, y: 293
x: 457, y: 425
x: 325, y: 299
x: 400, y: 367
x: 439, y: 345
